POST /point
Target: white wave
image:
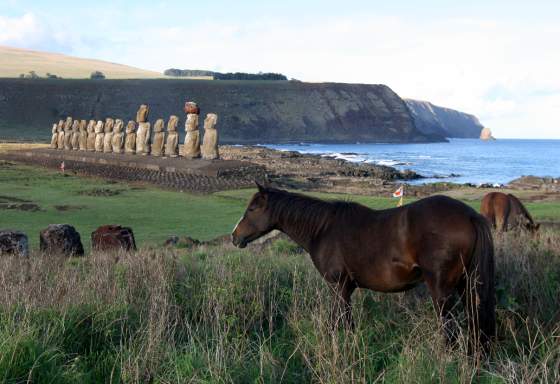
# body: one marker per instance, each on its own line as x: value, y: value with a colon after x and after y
x: 355, y: 158
x: 390, y: 162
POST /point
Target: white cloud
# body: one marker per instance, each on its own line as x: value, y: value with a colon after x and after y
x: 28, y: 31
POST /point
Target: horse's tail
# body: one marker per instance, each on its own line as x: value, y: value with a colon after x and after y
x: 482, y: 303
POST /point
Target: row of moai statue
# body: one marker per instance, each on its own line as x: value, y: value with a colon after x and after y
x: 108, y: 136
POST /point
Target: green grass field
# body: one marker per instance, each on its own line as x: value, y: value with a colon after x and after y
x: 153, y: 214
x: 214, y: 314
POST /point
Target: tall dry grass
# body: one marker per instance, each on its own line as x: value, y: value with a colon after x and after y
x: 220, y: 315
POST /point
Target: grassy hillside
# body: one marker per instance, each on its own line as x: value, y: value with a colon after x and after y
x: 14, y: 61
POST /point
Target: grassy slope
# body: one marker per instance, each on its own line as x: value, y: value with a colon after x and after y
x: 14, y: 61
x: 153, y: 214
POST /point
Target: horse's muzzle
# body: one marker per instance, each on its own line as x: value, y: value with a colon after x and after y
x: 239, y: 242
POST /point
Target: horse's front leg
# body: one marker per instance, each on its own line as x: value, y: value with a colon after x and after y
x: 342, y: 309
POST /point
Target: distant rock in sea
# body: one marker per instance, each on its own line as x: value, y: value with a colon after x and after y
x: 433, y: 119
x: 486, y: 134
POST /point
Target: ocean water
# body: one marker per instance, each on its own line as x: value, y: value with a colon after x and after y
x: 460, y: 161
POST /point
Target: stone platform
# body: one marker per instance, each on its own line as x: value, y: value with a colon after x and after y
x: 196, y: 175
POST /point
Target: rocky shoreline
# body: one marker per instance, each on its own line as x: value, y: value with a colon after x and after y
x: 320, y: 173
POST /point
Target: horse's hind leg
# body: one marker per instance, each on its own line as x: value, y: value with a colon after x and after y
x: 444, y: 301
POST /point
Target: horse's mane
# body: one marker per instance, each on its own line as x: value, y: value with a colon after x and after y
x: 308, y: 215
x: 515, y: 201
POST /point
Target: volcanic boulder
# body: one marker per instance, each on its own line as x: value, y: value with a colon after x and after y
x: 61, y: 239
x: 13, y: 243
x: 109, y: 237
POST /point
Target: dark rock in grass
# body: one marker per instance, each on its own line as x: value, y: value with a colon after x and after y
x: 181, y: 242
x: 110, y: 237
x: 171, y: 241
x: 29, y: 207
x: 61, y: 239
x: 13, y: 243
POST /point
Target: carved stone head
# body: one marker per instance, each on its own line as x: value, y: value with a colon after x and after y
x: 172, y: 123
x: 118, y: 126
x: 158, y: 126
x: 142, y: 114
x: 131, y: 126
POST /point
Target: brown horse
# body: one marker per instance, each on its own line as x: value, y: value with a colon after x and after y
x: 506, y: 212
x: 438, y: 240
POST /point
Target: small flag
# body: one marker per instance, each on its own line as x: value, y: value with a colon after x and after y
x: 400, y: 194
x: 62, y: 167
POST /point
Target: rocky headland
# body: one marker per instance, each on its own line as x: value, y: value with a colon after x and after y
x: 447, y: 122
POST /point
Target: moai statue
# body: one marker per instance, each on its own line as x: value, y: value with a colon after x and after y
x: 191, y: 148
x: 142, y: 114
x: 68, y: 134
x: 143, y: 133
x: 108, y: 138
x: 210, y: 142
x: 99, y: 136
x: 159, y: 138
x: 60, y: 130
x: 130, y: 142
x: 172, y: 142
x: 90, y: 144
x: 75, y: 140
x: 83, y: 135
x: 117, y: 141
x: 54, y: 137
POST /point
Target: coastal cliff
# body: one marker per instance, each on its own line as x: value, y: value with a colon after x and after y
x: 433, y: 119
x: 249, y: 111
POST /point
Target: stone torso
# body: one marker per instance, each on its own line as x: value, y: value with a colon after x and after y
x: 159, y: 138
x: 130, y: 141
x: 117, y: 141
x: 172, y: 142
x: 99, y: 136
x: 107, y: 139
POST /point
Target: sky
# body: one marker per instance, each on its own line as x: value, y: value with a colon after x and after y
x: 499, y: 60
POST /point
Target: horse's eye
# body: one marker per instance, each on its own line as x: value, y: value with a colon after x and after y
x: 251, y: 209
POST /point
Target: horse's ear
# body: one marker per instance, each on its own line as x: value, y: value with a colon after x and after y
x: 261, y: 187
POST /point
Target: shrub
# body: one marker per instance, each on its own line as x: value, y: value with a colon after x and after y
x: 97, y: 75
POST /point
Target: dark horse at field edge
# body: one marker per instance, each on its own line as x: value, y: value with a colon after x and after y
x: 506, y: 212
x: 438, y: 240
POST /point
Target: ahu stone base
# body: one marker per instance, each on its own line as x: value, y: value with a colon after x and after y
x: 195, y: 175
